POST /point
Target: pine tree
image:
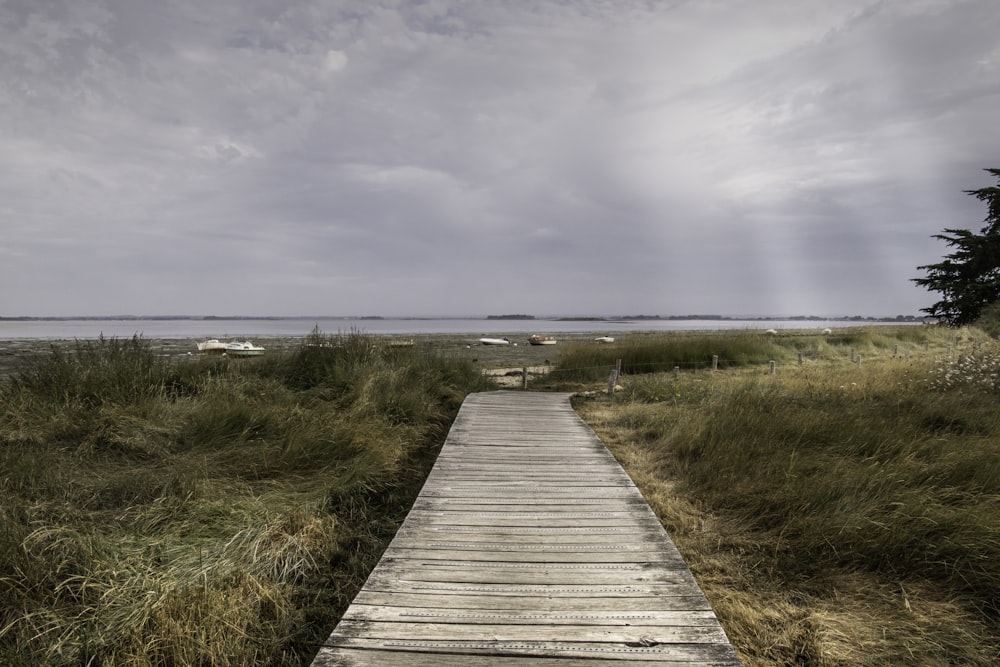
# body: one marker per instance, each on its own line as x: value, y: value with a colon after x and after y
x: 968, y: 278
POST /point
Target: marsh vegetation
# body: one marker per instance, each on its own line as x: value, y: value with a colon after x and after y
x: 206, y: 511
x: 158, y: 511
x: 834, y: 512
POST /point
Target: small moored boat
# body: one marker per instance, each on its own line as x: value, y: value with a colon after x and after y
x: 604, y: 339
x: 243, y: 349
x: 541, y: 340
x: 213, y: 346
x: 495, y: 341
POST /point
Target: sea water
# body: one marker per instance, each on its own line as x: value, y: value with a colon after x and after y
x: 197, y: 329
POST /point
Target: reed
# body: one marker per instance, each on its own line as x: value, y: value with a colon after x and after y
x: 212, y: 511
x: 644, y: 354
x: 835, y: 514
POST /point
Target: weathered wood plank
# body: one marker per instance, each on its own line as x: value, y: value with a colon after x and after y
x: 528, y: 541
x: 352, y: 657
x: 534, y: 632
x: 387, y: 613
x: 515, y: 651
x: 561, y: 575
x: 526, y: 602
x: 489, y: 554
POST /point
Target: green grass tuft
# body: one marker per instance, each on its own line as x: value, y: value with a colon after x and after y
x: 207, y: 511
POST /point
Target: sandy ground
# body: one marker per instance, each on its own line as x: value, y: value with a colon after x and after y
x: 513, y: 377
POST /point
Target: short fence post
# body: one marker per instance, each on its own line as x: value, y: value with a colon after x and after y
x: 950, y: 349
x: 772, y: 367
x: 611, y: 382
x: 618, y: 368
x: 677, y: 372
x: 895, y: 350
x: 907, y: 354
x: 852, y: 354
x: 800, y: 358
x: 858, y: 361
x: 715, y: 362
x: 524, y: 378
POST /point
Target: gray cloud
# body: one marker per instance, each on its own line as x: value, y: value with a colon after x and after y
x: 462, y: 158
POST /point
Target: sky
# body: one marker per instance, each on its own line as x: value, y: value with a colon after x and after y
x: 435, y: 158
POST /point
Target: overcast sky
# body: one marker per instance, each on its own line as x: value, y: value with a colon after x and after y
x: 428, y: 158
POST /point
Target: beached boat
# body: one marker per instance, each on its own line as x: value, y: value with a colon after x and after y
x: 604, y: 339
x: 213, y: 346
x: 541, y: 340
x: 243, y: 349
x: 495, y: 341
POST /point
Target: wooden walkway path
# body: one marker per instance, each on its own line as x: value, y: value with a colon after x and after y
x: 528, y: 545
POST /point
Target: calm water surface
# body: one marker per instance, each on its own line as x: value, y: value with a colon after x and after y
x: 264, y: 328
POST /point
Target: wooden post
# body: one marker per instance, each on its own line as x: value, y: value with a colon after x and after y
x: 858, y: 361
x: 895, y: 350
x: 611, y: 382
x: 907, y: 354
x: 852, y: 354
x: 772, y: 367
x: 950, y: 349
x: 800, y: 358
x: 677, y: 372
x: 524, y: 378
x: 618, y: 368
x: 715, y: 362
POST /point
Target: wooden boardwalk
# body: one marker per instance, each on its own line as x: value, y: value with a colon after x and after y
x: 528, y: 545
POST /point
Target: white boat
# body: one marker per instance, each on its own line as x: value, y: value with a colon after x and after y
x: 495, y: 341
x: 243, y: 349
x: 604, y: 339
x: 541, y: 340
x: 213, y: 346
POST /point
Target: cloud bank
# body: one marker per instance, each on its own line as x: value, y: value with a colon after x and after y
x: 464, y: 158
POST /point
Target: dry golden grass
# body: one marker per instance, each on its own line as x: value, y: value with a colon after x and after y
x: 834, y: 514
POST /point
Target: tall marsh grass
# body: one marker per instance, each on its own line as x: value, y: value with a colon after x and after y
x: 845, y: 495
x: 212, y: 511
x: 652, y: 354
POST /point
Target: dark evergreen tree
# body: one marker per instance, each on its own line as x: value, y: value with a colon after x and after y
x: 968, y: 278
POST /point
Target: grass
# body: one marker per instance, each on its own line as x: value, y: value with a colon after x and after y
x: 212, y: 511
x: 225, y: 512
x: 835, y: 513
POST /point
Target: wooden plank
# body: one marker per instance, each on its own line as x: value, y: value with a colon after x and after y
x: 596, y: 593
x: 528, y: 541
x: 514, y: 652
x: 490, y: 554
x: 608, y: 633
x: 632, y: 600
x: 387, y: 613
x: 371, y: 657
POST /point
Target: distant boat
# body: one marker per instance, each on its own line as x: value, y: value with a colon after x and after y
x: 541, y: 340
x: 604, y: 339
x: 243, y: 349
x: 495, y: 341
x: 213, y: 346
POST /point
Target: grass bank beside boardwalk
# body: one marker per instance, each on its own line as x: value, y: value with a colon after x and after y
x: 835, y: 513
x: 157, y: 511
